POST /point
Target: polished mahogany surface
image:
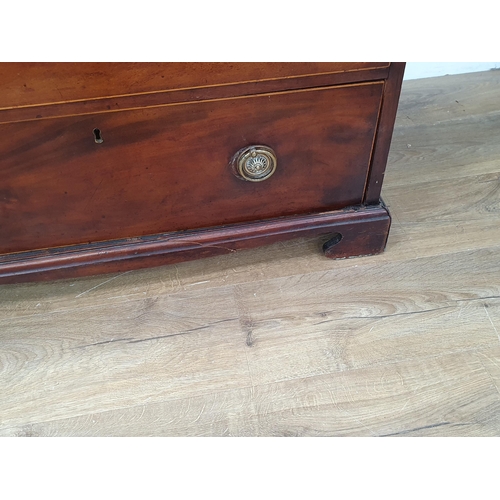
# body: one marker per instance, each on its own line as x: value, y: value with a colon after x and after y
x: 28, y: 84
x: 166, y: 168
x: 97, y: 160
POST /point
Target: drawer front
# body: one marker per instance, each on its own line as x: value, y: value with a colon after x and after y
x: 167, y: 168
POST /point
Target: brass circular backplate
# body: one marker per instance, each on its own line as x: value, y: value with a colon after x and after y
x: 254, y: 163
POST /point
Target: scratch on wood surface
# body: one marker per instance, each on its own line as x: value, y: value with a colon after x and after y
x: 126, y: 295
x: 492, y: 361
x: 143, y: 410
x: 100, y: 284
x: 200, y: 414
x: 405, y: 405
x: 213, y: 403
x: 206, y: 245
x: 492, y: 324
x: 93, y: 194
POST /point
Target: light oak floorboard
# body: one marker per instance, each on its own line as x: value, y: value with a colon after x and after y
x: 105, y: 357
x: 451, y: 395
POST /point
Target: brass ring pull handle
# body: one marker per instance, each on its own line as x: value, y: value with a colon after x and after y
x: 254, y: 163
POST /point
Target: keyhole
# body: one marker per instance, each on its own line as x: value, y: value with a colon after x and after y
x: 97, y: 136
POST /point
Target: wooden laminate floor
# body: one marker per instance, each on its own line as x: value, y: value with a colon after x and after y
x: 280, y: 341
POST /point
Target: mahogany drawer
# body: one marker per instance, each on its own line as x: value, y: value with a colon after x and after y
x: 166, y: 168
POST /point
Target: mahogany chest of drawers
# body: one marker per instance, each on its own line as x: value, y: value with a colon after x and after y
x: 107, y: 167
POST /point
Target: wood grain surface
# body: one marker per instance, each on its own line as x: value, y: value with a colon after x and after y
x: 64, y: 82
x: 279, y: 341
x: 346, y: 233
x: 167, y: 169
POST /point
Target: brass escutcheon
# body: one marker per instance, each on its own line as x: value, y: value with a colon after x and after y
x: 254, y: 163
